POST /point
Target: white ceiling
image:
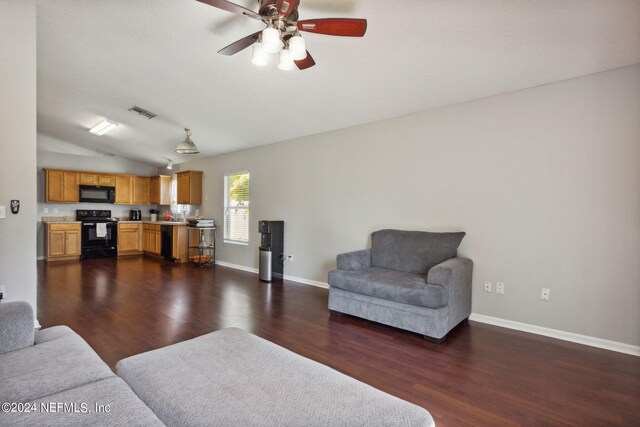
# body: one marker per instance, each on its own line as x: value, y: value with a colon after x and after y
x: 96, y: 59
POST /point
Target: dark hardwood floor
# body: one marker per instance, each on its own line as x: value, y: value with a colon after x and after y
x: 481, y: 375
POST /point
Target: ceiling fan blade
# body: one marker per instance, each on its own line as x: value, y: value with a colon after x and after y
x: 232, y: 7
x: 305, y: 63
x: 346, y: 27
x: 287, y: 7
x: 241, y: 44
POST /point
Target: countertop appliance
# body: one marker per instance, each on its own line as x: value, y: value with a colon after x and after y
x: 271, y: 259
x: 135, y: 215
x: 99, y: 233
x: 97, y: 194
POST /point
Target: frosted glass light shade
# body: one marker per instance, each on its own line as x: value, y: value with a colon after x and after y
x: 298, y: 48
x: 286, y: 62
x: 259, y: 57
x: 271, y: 42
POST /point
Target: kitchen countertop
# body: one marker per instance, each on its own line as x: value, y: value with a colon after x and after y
x: 59, y: 220
x: 152, y: 222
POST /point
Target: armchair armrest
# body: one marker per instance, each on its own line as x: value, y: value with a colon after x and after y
x: 16, y: 326
x: 356, y: 260
x: 454, y: 275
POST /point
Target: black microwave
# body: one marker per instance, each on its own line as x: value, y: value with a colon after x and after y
x: 97, y: 194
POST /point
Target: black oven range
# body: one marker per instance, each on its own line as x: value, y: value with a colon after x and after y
x: 99, y: 233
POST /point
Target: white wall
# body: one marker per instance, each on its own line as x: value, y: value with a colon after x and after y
x: 97, y: 163
x: 18, y: 149
x: 545, y: 181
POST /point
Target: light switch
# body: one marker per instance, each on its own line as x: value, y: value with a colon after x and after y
x: 2, y: 212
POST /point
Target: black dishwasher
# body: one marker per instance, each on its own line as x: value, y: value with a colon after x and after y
x: 167, y: 242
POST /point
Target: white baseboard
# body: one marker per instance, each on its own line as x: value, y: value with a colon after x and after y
x: 307, y: 281
x: 285, y: 277
x: 237, y: 266
x: 496, y: 321
x: 555, y: 333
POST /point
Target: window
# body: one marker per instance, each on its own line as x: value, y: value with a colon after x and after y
x: 236, y: 208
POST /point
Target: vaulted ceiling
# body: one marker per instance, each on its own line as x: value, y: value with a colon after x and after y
x: 97, y: 59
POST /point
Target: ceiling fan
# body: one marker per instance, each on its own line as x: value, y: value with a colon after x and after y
x: 282, y: 34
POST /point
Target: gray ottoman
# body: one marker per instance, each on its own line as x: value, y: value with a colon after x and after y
x: 233, y: 378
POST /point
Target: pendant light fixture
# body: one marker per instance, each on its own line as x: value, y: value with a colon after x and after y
x: 187, y: 146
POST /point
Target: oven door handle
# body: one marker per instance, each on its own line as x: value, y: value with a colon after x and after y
x: 86, y: 224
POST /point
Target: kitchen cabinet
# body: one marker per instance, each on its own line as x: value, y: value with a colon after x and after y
x: 180, y: 250
x: 62, y: 241
x: 189, y: 187
x: 91, y: 178
x: 88, y: 178
x: 61, y: 186
x: 107, y: 180
x: 139, y: 190
x: 130, y: 239
x: 160, y: 190
x: 123, y: 189
x: 152, y: 239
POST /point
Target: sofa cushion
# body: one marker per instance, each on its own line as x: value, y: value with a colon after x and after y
x: 16, y: 319
x: 62, y: 362
x: 233, y: 378
x: 412, y: 251
x: 124, y: 408
x: 390, y: 285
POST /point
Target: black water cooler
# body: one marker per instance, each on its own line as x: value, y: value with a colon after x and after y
x: 271, y: 261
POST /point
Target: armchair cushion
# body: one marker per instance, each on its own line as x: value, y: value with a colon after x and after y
x: 356, y: 260
x: 16, y: 326
x: 412, y: 251
x: 391, y: 285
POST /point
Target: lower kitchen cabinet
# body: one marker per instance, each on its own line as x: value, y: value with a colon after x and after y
x: 152, y: 239
x: 62, y: 242
x: 130, y: 239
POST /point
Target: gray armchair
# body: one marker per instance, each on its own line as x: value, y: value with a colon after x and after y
x: 411, y: 280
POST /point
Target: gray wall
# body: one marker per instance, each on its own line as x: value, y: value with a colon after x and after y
x: 91, y: 163
x: 18, y: 149
x: 545, y: 181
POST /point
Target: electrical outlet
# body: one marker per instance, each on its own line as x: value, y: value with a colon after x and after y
x: 290, y: 257
x: 487, y: 286
x: 45, y: 210
x: 500, y: 288
x: 544, y: 295
x: 55, y: 210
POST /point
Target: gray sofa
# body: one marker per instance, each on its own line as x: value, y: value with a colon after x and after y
x: 411, y: 280
x: 226, y: 378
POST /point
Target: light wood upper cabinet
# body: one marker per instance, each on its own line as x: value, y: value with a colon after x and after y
x: 88, y: 178
x: 61, y: 186
x: 189, y: 187
x: 160, y: 190
x: 62, y: 241
x: 123, y: 189
x: 107, y: 180
x: 140, y: 190
x: 129, y: 238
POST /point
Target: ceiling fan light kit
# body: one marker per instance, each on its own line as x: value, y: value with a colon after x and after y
x: 187, y: 146
x: 271, y: 42
x: 259, y: 57
x: 286, y: 62
x: 283, y: 32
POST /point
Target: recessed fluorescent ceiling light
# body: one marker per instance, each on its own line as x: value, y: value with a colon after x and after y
x: 103, y: 127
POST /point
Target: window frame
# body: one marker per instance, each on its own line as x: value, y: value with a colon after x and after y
x: 226, y: 202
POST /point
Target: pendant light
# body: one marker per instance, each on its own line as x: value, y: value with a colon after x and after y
x: 187, y: 146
